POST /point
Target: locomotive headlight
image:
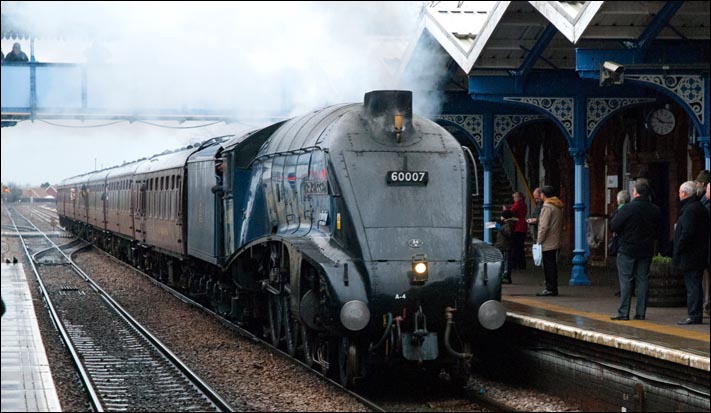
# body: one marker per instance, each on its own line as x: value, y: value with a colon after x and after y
x: 420, y: 268
x: 355, y: 315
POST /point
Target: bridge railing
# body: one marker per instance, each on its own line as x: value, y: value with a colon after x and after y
x: 81, y: 91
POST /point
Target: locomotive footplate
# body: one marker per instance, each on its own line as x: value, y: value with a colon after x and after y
x: 420, y: 345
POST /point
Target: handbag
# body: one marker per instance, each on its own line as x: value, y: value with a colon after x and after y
x: 537, y: 251
x: 613, y: 245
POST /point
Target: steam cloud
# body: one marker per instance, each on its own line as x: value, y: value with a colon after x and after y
x: 251, y: 61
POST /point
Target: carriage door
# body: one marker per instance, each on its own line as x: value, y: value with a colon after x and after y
x: 140, y: 203
x: 105, y: 206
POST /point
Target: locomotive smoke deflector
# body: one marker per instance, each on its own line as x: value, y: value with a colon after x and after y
x: 389, y: 112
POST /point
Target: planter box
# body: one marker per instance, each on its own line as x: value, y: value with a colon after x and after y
x: 666, y: 287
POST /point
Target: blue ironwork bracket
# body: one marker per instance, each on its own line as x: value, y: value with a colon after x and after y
x: 688, y: 89
x: 472, y: 124
x: 599, y: 109
x: 505, y: 124
x: 562, y: 108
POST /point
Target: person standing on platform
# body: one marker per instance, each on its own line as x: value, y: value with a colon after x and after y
x: 504, y: 234
x: 637, y: 225
x: 691, y: 237
x: 623, y: 197
x: 550, y: 227
x: 517, y: 259
x: 16, y: 55
x: 705, y: 201
x: 533, y: 221
x: 701, y: 180
x: 702, y: 185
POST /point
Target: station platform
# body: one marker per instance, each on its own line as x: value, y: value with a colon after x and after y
x: 583, y: 313
x: 27, y: 384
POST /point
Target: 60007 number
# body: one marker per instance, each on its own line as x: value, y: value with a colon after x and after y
x: 407, y: 177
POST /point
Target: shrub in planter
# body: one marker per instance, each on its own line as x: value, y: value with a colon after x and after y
x: 666, y: 286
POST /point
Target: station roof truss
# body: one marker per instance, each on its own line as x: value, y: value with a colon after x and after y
x: 493, y: 36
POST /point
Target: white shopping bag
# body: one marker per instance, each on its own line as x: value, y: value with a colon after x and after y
x: 537, y: 254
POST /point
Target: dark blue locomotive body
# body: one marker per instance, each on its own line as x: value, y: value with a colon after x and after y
x: 344, y: 235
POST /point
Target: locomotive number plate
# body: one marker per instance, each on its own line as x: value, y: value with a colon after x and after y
x: 402, y: 178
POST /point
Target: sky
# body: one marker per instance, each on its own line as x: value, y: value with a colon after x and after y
x: 247, y: 60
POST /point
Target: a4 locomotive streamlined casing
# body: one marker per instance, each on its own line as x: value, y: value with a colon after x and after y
x: 344, y: 233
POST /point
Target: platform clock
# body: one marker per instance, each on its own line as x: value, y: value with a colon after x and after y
x: 661, y: 121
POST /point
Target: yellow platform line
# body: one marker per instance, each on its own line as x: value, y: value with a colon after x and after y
x: 644, y: 325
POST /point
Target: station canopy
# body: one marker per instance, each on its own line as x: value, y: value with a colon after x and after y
x: 490, y: 38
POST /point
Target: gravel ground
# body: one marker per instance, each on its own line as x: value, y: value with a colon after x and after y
x: 250, y: 377
x: 247, y: 375
x: 525, y: 400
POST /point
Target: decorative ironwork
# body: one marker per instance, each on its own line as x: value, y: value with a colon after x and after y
x: 598, y: 109
x: 561, y: 108
x: 473, y: 124
x: 504, y: 124
x: 689, y: 88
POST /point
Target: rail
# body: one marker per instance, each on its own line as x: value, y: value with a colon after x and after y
x: 84, y: 376
x: 206, y: 390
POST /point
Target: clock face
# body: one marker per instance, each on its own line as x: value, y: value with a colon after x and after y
x: 661, y: 121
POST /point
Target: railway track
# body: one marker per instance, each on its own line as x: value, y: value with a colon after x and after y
x: 122, y: 366
x: 463, y: 396
x: 457, y: 400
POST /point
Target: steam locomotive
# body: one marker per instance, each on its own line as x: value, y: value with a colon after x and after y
x: 343, y: 236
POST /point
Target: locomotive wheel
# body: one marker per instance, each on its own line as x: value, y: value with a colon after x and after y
x: 275, y: 318
x: 290, y: 327
x: 327, y: 353
x: 307, y: 343
x: 348, y: 362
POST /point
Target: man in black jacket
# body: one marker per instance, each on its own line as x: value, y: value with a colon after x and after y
x: 690, y: 248
x: 636, y: 224
x: 17, y: 55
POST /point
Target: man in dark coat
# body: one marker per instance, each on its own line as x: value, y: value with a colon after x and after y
x: 504, y: 235
x: 706, y: 200
x: 637, y: 224
x: 17, y: 55
x: 691, y: 238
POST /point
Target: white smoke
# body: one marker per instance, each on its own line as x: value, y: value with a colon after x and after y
x: 251, y: 61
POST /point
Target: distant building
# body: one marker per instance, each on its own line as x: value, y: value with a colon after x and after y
x: 39, y: 194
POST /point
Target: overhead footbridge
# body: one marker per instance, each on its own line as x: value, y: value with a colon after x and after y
x: 67, y: 91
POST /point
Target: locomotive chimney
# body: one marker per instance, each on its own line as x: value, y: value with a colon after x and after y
x: 389, y: 112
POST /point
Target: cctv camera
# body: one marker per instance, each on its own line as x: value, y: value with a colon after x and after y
x: 613, y: 67
x: 611, y: 73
